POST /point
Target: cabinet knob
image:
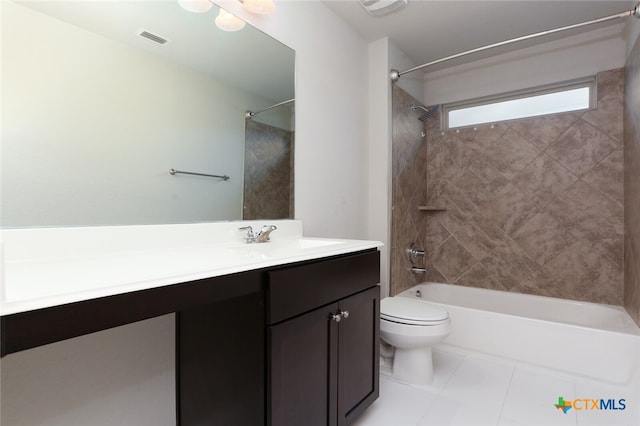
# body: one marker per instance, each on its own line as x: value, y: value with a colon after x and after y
x: 339, y: 316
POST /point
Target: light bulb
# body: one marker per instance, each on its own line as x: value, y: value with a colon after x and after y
x: 262, y: 7
x: 196, y: 6
x: 227, y: 21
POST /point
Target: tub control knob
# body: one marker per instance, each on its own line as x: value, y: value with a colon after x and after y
x: 345, y: 314
x: 336, y: 317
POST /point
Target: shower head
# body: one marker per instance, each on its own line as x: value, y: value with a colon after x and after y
x: 426, y: 112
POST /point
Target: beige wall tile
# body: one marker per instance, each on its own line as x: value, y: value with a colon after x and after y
x: 534, y: 205
x: 632, y: 184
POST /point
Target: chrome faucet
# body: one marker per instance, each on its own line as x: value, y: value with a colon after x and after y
x: 260, y: 237
x: 263, y: 235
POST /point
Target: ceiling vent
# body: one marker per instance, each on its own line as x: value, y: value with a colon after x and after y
x: 382, y: 7
x: 153, y: 37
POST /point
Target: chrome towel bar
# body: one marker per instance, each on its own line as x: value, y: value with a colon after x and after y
x: 174, y: 172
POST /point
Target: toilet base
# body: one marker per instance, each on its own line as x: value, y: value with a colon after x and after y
x: 414, y: 366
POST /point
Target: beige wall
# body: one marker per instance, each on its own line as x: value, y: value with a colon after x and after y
x: 533, y: 205
x: 632, y: 184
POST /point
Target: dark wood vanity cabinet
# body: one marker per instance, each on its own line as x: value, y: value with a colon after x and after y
x: 220, y: 363
x: 292, y: 345
x: 322, y: 363
x: 302, y: 352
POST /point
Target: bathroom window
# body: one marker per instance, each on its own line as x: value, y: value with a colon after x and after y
x: 563, y: 97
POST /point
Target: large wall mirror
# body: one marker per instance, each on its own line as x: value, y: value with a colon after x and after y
x: 95, y: 115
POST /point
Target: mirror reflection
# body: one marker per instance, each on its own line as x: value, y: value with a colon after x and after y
x: 268, y: 167
x: 96, y: 113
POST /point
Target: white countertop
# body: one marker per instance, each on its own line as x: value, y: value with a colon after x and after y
x: 54, y: 266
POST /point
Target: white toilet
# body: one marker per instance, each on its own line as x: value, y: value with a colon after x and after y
x: 412, y: 326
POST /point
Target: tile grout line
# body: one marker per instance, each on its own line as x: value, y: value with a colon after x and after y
x: 573, y: 382
x: 433, y: 402
x: 504, y: 400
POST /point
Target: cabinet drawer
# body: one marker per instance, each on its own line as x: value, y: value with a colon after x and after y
x: 295, y: 290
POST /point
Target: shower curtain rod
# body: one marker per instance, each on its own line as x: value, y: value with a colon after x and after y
x: 250, y: 114
x: 395, y: 74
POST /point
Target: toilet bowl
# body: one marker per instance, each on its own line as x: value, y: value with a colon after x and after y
x: 412, y: 326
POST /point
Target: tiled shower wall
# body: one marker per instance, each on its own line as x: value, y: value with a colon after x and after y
x: 632, y: 185
x: 409, y: 177
x: 532, y: 205
x: 268, y: 172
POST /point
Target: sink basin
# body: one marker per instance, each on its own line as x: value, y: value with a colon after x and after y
x: 307, y: 243
x: 294, y: 247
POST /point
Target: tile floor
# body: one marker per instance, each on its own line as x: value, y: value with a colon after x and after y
x: 473, y: 389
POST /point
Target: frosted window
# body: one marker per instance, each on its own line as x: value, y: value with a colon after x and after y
x: 529, y: 106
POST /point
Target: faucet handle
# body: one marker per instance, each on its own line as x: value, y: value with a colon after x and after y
x: 250, y: 235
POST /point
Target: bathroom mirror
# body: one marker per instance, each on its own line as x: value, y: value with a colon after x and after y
x: 101, y: 99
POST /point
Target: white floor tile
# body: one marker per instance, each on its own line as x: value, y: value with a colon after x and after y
x: 532, y: 397
x: 447, y: 411
x: 476, y: 390
x: 445, y: 364
x: 508, y: 422
x: 398, y: 405
x: 480, y: 381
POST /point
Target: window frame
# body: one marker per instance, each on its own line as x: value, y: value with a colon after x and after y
x: 589, y: 82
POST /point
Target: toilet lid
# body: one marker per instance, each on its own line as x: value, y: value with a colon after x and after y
x: 411, y: 311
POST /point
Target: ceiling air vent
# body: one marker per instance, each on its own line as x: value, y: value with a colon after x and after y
x: 382, y: 7
x: 153, y: 37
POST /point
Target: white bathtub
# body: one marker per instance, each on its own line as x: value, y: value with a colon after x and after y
x: 593, y: 340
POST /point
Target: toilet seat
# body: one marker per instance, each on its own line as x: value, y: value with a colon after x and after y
x: 410, y: 311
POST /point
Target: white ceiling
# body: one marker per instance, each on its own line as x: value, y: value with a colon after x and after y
x: 425, y: 30
x: 428, y: 30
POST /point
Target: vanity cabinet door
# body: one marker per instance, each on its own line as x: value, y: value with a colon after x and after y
x: 358, y: 354
x: 301, y: 359
x: 323, y: 372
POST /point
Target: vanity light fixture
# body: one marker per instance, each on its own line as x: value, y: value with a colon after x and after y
x: 261, y: 7
x: 227, y: 21
x: 196, y: 6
